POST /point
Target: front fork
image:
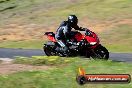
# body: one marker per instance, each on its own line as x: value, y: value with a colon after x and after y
x: 94, y: 54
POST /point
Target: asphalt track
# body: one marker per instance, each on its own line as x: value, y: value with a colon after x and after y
x: 11, y: 53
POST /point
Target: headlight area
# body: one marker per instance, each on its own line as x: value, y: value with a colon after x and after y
x: 93, y: 43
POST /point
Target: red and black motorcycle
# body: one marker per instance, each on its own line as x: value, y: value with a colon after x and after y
x: 86, y: 44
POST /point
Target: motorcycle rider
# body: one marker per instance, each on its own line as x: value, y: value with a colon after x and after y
x: 63, y: 32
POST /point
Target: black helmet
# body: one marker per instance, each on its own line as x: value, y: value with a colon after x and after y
x: 72, y: 19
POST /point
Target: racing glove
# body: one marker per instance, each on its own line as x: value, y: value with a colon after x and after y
x: 82, y: 29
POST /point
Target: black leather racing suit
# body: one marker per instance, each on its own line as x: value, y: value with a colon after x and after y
x: 63, y: 34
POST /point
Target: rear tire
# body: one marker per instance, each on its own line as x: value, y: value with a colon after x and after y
x: 48, y: 49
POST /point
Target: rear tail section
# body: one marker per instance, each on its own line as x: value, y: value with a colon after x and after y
x: 50, y: 36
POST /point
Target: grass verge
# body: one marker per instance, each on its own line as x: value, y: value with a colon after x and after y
x: 0, y: 61
x: 27, y: 44
x: 64, y: 76
x: 118, y: 39
x: 43, y: 60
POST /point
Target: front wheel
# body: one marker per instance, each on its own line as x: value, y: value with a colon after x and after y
x: 101, y: 52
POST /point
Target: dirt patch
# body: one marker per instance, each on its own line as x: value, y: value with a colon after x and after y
x: 104, y: 25
x: 124, y: 21
x: 34, y: 31
x: 72, y: 1
x: 7, y: 67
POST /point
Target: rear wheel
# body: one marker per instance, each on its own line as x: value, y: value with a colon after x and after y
x: 48, y: 49
x: 101, y: 52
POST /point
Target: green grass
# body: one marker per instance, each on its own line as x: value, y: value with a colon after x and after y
x: 53, y: 11
x: 30, y: 11
x: 118, y: 39
x: 63, y: 76
x: 43, y: 60
x: 119, y: 48
x: 27, y: 44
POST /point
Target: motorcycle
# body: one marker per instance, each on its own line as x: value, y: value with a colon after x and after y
x: 86, y: 44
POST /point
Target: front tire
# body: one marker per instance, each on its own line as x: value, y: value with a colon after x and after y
x: 102, y: 52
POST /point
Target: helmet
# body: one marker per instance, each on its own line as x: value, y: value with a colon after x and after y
x: 72, y: 19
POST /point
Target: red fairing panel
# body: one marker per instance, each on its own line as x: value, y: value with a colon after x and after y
x: 92, y: 38
x: 79, y: 36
